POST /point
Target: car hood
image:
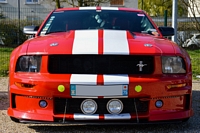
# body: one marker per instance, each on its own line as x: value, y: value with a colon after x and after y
x: 100, y: 42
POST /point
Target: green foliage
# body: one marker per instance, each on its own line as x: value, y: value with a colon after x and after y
x: 4, y: 59
x: 6, y: 50
x: 11, y: 34
x: 157, y: 7
x: 195, y: 58
x: 182, y: 26
x: 1, y: 16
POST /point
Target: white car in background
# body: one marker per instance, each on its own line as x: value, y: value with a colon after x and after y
x: 1, y: 41
x: 193, y: 42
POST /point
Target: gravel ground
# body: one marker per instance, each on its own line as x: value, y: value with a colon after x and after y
x: 7, y: 126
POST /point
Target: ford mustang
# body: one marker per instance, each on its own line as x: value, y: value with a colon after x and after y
x: 99, y: 65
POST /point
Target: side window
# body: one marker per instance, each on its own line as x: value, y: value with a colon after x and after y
x: 145, y: 24
x: 140, y: 23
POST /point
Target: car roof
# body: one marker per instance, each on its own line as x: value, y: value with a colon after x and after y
x: 99, y: 8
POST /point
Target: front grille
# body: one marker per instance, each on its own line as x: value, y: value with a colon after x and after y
x: 100, y: 64
x: 73, y: 105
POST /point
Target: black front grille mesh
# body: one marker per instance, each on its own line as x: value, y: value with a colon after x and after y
x: 100, y: 64
x: 73, y: 105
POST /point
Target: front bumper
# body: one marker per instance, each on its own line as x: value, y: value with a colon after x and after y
x: 24, y: 102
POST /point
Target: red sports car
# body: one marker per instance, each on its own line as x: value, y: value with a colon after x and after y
x: 99, y: 65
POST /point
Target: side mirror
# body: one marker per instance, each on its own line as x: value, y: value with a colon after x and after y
x: 30, y: 30
x: 166, y: 31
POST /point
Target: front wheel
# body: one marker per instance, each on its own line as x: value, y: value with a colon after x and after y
x: 14, y: 119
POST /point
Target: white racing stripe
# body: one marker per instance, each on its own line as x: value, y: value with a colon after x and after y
x: 122, y: 79
x: 87, y: 8
x: 109, y: 8
x: 115, y: 42
x: 86, y: 117
x: 125, y: 116
x: 85, y: 42
x: 83, y: 79
x: 90, y: 79
x: 102, y: 8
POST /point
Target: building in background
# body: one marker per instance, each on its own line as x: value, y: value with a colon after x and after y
x: 33, y: 10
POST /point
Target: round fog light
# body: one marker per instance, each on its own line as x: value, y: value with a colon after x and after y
x: 43, y: 103
x: 159, y: 103
x: 114, y: 106
x: 89, y: 106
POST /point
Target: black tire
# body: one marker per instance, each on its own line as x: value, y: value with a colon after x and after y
x: 185, y: 120
x: 14, y: 119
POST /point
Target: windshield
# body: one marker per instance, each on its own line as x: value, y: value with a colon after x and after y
x: 94, y: 19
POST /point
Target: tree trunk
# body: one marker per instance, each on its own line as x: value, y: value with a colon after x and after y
x: 57, y: 3
x: 80, y: 3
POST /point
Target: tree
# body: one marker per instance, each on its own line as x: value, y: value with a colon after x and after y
x: 193, y: 11
x: 157, y: 7
x: 1, y: 15
x: 57, y: 3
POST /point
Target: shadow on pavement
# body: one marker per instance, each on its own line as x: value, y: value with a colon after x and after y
x: 4, y: 103
x: 192, y: 125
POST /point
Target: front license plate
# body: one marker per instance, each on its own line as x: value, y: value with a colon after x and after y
x: 106, y: 90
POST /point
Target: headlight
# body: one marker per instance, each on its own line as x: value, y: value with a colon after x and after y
x: 114, y: 106
x: 173, y: 64
x: 29, y: 64
x: 89, y: 106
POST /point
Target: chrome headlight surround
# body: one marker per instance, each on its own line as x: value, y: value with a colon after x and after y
x: 28, y: 63
x: 173, y: 64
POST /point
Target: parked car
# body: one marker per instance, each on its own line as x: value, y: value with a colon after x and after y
x: 1, y: 40
x: 99, y: 65
x: 193, y: 42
